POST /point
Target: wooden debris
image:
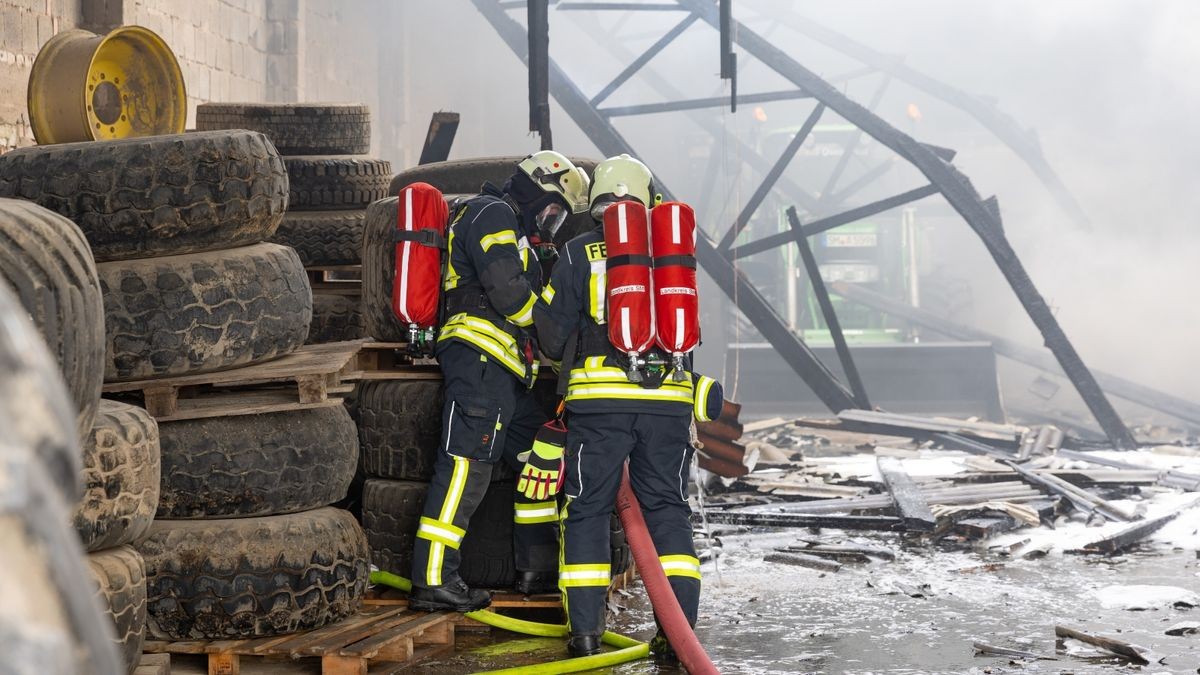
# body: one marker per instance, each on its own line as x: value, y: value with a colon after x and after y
x: 719, y: 452
x: 982, y: 648
x: 1119, y: 541
x: 842, y: 551
x: 1123, y: 649
x: 1002, y: 435
x: 910, y: 504
x: 803, y: 560
x: 1184, y: 628
x: 805, y: 520
x: 1084, y: 501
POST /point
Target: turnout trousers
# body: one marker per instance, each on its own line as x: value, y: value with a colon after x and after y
x: 659, y: 458
x: 488, y: 416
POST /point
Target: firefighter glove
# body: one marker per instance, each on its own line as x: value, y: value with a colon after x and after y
x: 542, y: 476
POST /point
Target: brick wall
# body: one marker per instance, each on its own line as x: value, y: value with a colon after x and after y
x: 228, y: 50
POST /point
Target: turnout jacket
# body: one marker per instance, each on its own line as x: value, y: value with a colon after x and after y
x: 573, y: 304
x: 491, y: 283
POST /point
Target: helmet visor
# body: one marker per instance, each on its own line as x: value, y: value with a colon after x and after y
x: 550, y: 219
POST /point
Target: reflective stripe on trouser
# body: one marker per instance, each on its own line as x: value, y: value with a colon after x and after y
x: 459, y: 484
x: 535, y: 512
x: 659, y: 459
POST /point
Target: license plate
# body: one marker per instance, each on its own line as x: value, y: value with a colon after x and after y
x: 850, y: 239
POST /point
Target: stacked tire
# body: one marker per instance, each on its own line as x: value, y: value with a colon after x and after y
x: 330, y: 185
x: 52, y: 619
x: 209, y: 528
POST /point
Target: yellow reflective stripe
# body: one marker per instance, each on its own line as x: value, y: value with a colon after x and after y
x: 548, y: 294
x: 632, y: 391
x: 451, y: 276
x: 703, y: 387
x: 596, y: 283
x: 502, y: 237
x: 506, y: 357
x: 680, y: 565
x: 524, y: 316
x: 433, y: 571
x: 451, y: 530
x: 574, y: 576
x: 538, y: 512
x: 458, y: 483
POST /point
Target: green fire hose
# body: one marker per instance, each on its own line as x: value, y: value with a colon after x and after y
x: 628, y: 649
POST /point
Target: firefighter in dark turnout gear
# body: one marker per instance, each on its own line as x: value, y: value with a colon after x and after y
x: 486, y: 352
x: 610, y: 419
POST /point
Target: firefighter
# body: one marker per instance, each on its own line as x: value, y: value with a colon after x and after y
x: 486, y: 353
x: 611, y: 419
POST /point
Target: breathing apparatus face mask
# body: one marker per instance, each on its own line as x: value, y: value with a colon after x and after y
x: 549, y: 219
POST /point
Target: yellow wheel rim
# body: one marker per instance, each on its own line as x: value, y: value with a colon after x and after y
x: 88, y: 87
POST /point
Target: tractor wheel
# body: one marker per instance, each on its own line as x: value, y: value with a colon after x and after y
x: 296, y: 128
x: 121, y: 473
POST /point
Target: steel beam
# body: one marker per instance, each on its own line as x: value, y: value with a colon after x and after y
x: 642, y: 60
x: 1023, y: 142
x: 819, y: 226
x: 699, y: 103
x: 772, y: 177
x: 983, y: 217
x: 826, y: 305
x: 735, y: 284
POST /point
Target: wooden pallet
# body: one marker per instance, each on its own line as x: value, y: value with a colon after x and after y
x: 387, y: 639
x: 336, y: 279
x: 154, y: 664
x: 389, y: 361
x: 545, y: 607
x: 310, y: 377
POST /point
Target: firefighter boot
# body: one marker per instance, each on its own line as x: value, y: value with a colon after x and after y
x: 536, y: 583
x: 583, y: 645
x: 661, y: 648
x: 455, y: 596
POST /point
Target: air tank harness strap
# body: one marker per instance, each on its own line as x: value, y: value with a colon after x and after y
x: 425, y: 237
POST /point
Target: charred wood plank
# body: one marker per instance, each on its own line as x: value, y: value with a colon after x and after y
x: 1119, y: 541
x: 1081, y: 500
x: 991, y: 650
x: 886, y: 523
x: 910, y: 503
x: 1123, y: 649
x: 442, y: 128
x: 803, y: 560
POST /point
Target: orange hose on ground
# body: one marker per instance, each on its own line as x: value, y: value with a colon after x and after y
x: 666, y: 607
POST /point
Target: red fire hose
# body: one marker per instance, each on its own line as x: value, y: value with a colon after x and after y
x: 666, y: 607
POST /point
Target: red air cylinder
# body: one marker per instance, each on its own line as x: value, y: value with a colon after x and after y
x: 630, y: 305
x: 420, y: 237
x: 676, y: 303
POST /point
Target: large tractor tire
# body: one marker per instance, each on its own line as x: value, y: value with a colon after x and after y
x: 120, y: 578
x: 49, y: 622
x: 467, y: 176
x: 35, y: 409
x: 296, y: 128
x: 391, y: 511
x: 316, y: 183
x: 379, y: 272
x: 46, y: 260
x: 256, y: 465
x: 487, y: 550
x: 336, y: 318
x: 253, y: 577
x: 121, y: 476
x: 399, y: 427
x: 162, y: 195
x: 203, y: 312
x: 323, y: 238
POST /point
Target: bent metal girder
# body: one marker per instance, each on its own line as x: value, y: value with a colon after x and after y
x: 983, y: 216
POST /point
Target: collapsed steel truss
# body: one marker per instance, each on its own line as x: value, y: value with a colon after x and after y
x: 718, y: 258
